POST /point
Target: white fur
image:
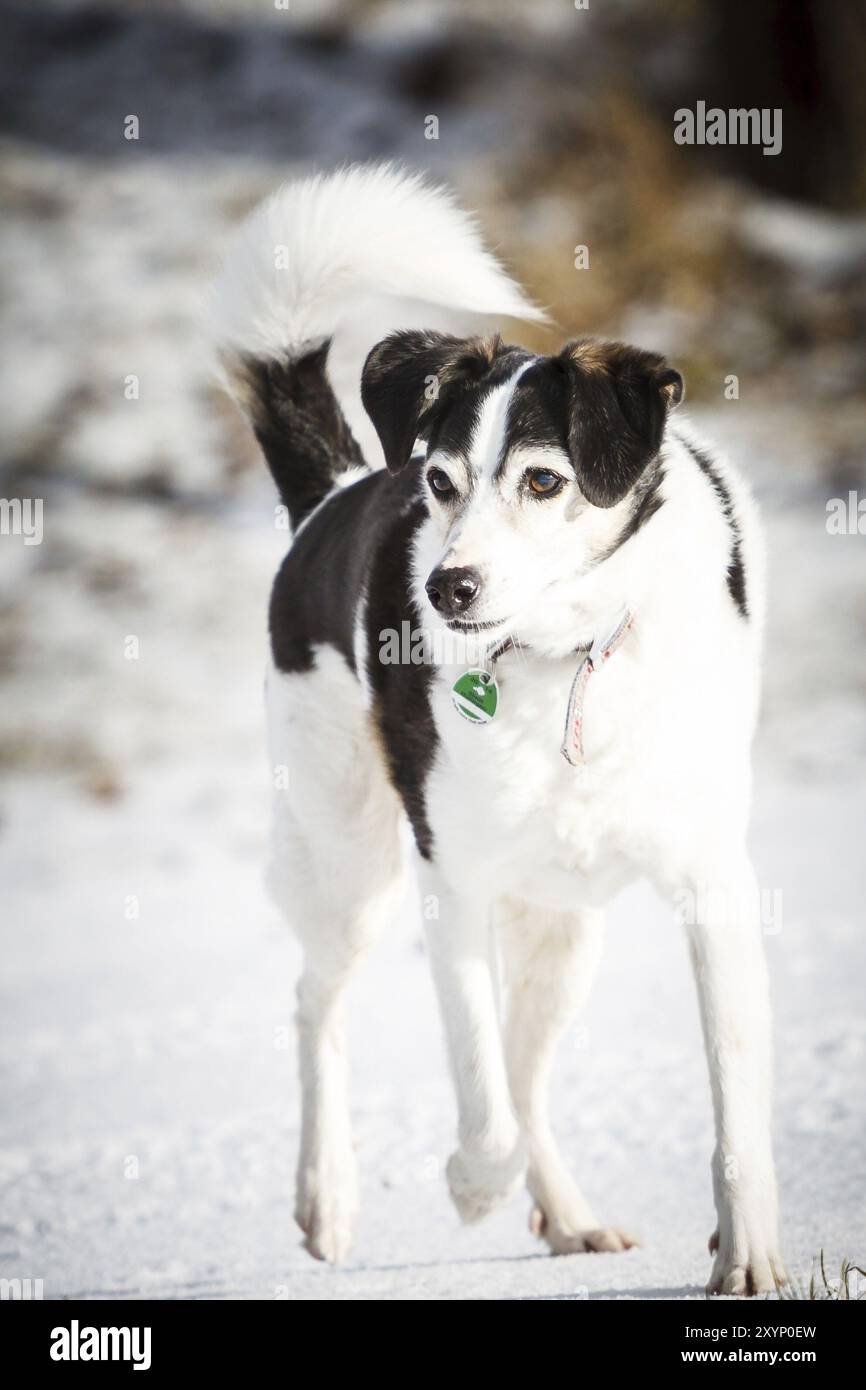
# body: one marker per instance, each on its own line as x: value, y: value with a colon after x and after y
x: 318, y: 259
x: 337, y: 871
x: 339, y: 248
x: 668, y: 727
x: 525, y: 843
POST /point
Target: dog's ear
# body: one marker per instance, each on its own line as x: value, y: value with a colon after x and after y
x: 618, y: 400
x: 406, y: 377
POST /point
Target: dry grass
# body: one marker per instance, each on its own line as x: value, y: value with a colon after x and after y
x: 846, y: 1289
x: 670, y: 264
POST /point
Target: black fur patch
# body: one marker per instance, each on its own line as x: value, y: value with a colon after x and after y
x: 605, y: 404
x: 431, y: 384
x: 537, y: 412
x: 300, y: 427
x: 451, y: 425
x: 646, y: 501
x: 317, y: 586
x: 359, y: 543
x: 401, y: 703
x: 736, y: 571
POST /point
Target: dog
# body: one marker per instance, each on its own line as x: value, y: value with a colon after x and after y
x: 585, y: 583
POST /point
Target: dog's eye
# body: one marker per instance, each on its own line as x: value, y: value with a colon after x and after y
x: 543, y: 483
x: 440, y: 483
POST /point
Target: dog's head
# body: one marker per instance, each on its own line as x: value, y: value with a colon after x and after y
x: 534, y: 465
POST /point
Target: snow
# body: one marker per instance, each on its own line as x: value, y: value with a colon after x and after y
x: 150, y: 1109
x: 149, y: 1116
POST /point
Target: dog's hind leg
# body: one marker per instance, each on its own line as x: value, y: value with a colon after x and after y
x: 337, y: 874
x: 550, y: 961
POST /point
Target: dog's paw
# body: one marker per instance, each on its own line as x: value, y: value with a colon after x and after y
x: 480, y: 1182
x: 761, y: 1273
x: 326, y: 1208
x: 578, y: 1242
x: 328, y: 1228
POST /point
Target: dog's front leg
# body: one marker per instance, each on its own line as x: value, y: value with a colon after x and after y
x: 727, y: 954
x: 490, y: 1161
x: 550, y: 962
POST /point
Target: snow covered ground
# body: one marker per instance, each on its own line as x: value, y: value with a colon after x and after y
x: 148, y: 1095
x: 150, y: 1105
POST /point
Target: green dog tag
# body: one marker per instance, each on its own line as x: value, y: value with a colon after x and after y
x: 475, y: 695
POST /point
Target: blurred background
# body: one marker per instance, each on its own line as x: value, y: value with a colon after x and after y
x: 149, y: 1116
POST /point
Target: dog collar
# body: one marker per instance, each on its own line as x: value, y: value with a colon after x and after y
x: 598, y: 653
x: 475, y: 694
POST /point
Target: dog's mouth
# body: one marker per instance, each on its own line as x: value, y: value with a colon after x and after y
x: 464, y: 625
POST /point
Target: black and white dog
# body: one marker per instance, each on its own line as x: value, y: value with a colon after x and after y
x: 582, y: 588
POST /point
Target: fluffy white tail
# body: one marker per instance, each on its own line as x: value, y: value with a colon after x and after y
x: 323, y: 270
x: 318, y: 248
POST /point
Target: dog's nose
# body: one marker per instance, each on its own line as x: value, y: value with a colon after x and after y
x: 452, y: 591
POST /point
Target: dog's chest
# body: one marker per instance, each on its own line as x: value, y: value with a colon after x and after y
x: 505, y: 802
